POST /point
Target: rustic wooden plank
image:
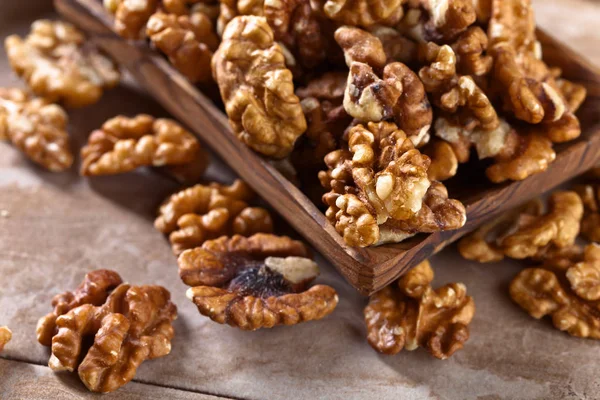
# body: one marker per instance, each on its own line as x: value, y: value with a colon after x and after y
x: 367, y: 269
x: 20, y: 381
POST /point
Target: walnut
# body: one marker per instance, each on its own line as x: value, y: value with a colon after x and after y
x: 590, y: 224
x: 187, y: 40
x: 380, y: 191
x: 444, y: 163
x: 329, y: 86
x: 442, y: 20
x: 257, y: 89
x: 360, y: 46
x: 559, y: 227
x: 128, y: 326
x: 364, y: 13
x: 569, y: 295
x: 36, y: 127
x: 94, y: 290
x: 131, y: 16
x: 573, y: 93
x: 411, y: 314
x: 399, y: 94
x: 124, y: 144
x: 255, y: 282
x: 233, y: 8
x: 397, y: 47
x: 5, y: 336
x: 296, y: 26
x: 204, y: 212
x: 59, y: 65
x: 469, y: 49
x: 484, y: 244
x: 521, y: 157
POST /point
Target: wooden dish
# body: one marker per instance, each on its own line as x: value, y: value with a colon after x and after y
x: 368, y: 269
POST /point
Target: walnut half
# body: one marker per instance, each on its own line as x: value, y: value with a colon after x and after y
x: 255, y: 282
x: 5, y: 336
x: 410, y: 314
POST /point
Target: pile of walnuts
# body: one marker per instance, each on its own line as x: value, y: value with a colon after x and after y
x: 382, y: 100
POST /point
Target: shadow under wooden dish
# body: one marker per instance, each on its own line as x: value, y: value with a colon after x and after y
x: 368, y: 269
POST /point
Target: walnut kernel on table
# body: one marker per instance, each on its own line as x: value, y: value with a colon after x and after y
x: 410, y: 314
x: 5, y: 336
x: 36, y: 127
x: 568, y: 294
x: 124, y: 144
x: 256, y: 282
x: 128, y: 325
x: 203, y: 212
x: 257, y: 88
x: 59, y: 65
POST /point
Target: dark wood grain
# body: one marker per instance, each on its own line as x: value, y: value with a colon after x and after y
x: 367, y: 269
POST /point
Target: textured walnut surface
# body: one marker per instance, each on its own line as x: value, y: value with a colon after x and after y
x: 5, y: 336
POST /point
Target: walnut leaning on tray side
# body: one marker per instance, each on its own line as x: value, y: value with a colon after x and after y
x: 5, y: 336
x: 59, y: 65
x: 124, y: 144
x: 257, y: 88
x: 203, y: 212
x: 410, y: 314
x: 36, y: 127
x: 128, y: 325
x: 569, y: 294
x: 256, y: 282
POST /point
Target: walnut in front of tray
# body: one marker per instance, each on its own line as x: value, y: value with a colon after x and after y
x: 36, y: 127
x: 203, y: 212
x: 527, y: 232
x: 569, y: 294
x: 410, y: 314
x: 5, y: 336
x: 124, y: 144
x: 256, y: 282
x: 257, y: 88
x: 187, y: 40
x: 379, y: 190
x: 127, y: 324
x: 59, y: 65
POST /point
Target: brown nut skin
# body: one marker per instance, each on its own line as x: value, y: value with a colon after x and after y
x: 5, y: 336
x: 360, y: 46
x: 232, y: 8
x: 131, y: 16
x: 569, y: 295
x: 469, y: 49
x: 187, y: 40
x: 94, y: 290
x: 256, y: 282
x: 364, y: 13
x: 133, y: 325
x: 590, y: 224
x: 257, y: 88
x: 410, y: 314
x: 124, y: 144
x: 444, y: 163
x: 59, y: 66
x: 37, y: 128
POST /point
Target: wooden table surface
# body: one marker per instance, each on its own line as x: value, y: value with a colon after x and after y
x: 56, y: 227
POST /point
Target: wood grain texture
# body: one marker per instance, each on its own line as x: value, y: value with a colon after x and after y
x: 367, y: 269
x: 20, y: 381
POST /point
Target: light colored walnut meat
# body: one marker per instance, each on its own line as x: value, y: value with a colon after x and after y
x: 5, y: 336
x: 410, y: 314
x: 94, y: 290
x: 187, y: 40
x: 379, y: 191
x: 527, y: 233
x: 255, y: 282
x: 124, y: 144
x: 569, y: 294
x: 364, y: 13
x: 296, y: 26
x: 36, y: 127
x: 590, y: 224
x: 257, y: 88
x: 398, y: 95
x: 233, y: 8
x: 203, y: 212
x: 128, y: 326
x: 438, y: 20
x: 59, y: 65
